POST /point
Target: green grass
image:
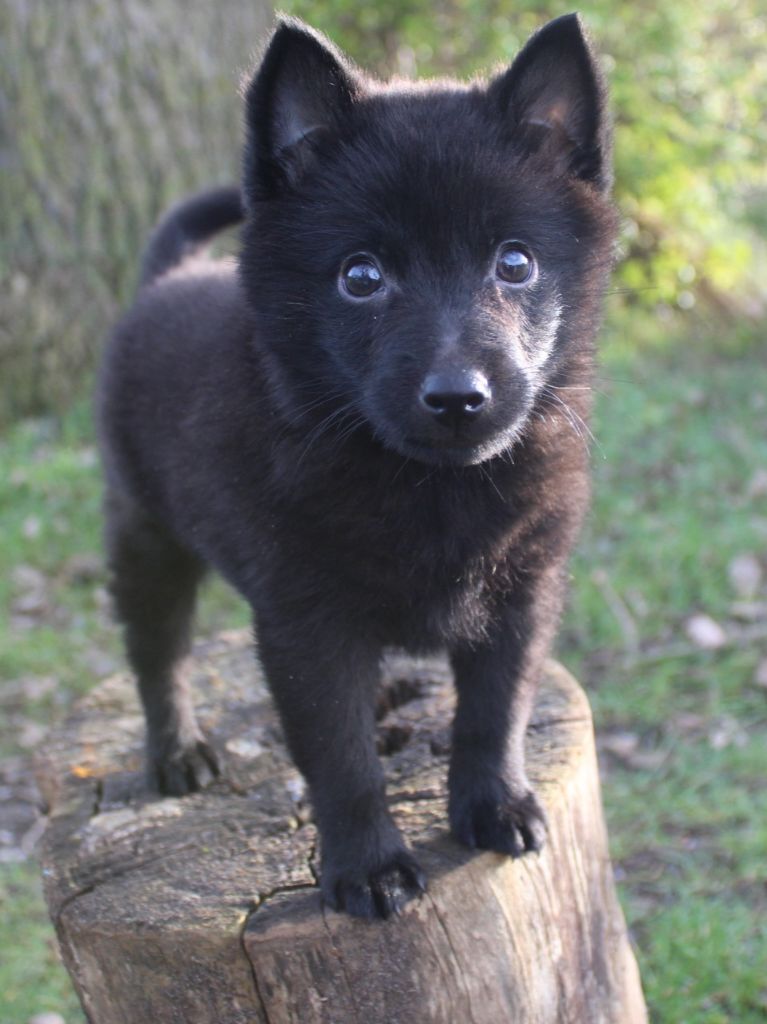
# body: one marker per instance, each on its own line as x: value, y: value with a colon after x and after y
x: 32, y: 979
x: 50, y: 507
x: 682, y: 433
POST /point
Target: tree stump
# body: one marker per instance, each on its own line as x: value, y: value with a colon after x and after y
x: 205, y: 909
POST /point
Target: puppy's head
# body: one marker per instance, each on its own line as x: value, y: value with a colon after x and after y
x: 426, y: 257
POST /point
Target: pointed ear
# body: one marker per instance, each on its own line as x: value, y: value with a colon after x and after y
x: 554, y: 93
x: 303, y: 90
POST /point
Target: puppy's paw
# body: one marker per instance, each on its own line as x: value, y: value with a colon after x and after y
x: 374, y: 892
x: 495, y: 819
x: 183, y: 770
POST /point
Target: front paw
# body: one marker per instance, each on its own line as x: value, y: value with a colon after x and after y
x: 492, y: 817
x: 371, y: 891
x: 176, y: 770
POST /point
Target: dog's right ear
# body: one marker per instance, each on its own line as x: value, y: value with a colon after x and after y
x: 302, y: 92
x: 555, y: 95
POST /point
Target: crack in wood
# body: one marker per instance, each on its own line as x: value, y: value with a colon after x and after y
x: 545, y: 723
x: 252, y: 966
x: 339, y: 956
x: 280, y: 890
x: 456, y: 958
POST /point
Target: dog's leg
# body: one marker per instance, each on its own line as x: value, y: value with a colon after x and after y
x: 154, y: 585
x: 324, y: 683
x: 491, y: 803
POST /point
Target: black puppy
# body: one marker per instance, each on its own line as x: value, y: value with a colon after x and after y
x: 373, y: 430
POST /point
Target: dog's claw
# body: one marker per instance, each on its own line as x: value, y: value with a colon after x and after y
x: 185, y: 771
x: 509, y: 825
x: 382, y: 892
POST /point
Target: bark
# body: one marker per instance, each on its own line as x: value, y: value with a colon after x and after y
x: 110, y: 110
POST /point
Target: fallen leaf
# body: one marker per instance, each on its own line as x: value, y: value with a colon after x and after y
x: 647, y: 760
x: 621, y: 744
x: 31, y: 604
x: 46, y: 1018
x: 705, y: 632
x: 745, y: 574
x: 625, y: 746
x: 26, y: 577
x: 727, y: 732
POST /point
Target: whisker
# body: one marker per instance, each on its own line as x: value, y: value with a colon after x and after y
x: 575, y: 420
x: 427, y: 477
x: 569, y: 387
x: 403, y: 464
x: 323, y: 427
x: 578, y: 387
x: 569, y: 414
x: 293, y: 419
x: 301, y: 410
x: 346, y: 432
x: 488, y: 476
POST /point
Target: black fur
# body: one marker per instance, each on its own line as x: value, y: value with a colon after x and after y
x: 302, y: 441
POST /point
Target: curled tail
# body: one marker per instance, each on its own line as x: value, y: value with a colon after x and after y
x: 187, y: 227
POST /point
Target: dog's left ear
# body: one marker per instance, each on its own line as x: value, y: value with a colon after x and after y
x: 302, y: 93
x: 555, y: 96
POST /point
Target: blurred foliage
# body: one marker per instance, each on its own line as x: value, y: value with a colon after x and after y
x: 111, y: 109
x: 688, y: 83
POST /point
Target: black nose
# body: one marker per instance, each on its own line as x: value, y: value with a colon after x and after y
x: 456, y: 396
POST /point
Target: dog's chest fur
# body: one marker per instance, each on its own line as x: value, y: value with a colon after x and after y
x: 418, y: 555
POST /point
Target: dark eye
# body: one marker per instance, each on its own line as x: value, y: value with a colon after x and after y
x: 515, y: 265
x: 361, y: 277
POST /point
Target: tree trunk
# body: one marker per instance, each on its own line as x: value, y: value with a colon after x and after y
x: 205, y: 909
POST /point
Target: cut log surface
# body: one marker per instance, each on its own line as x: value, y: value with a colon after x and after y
x: 205, y: 910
